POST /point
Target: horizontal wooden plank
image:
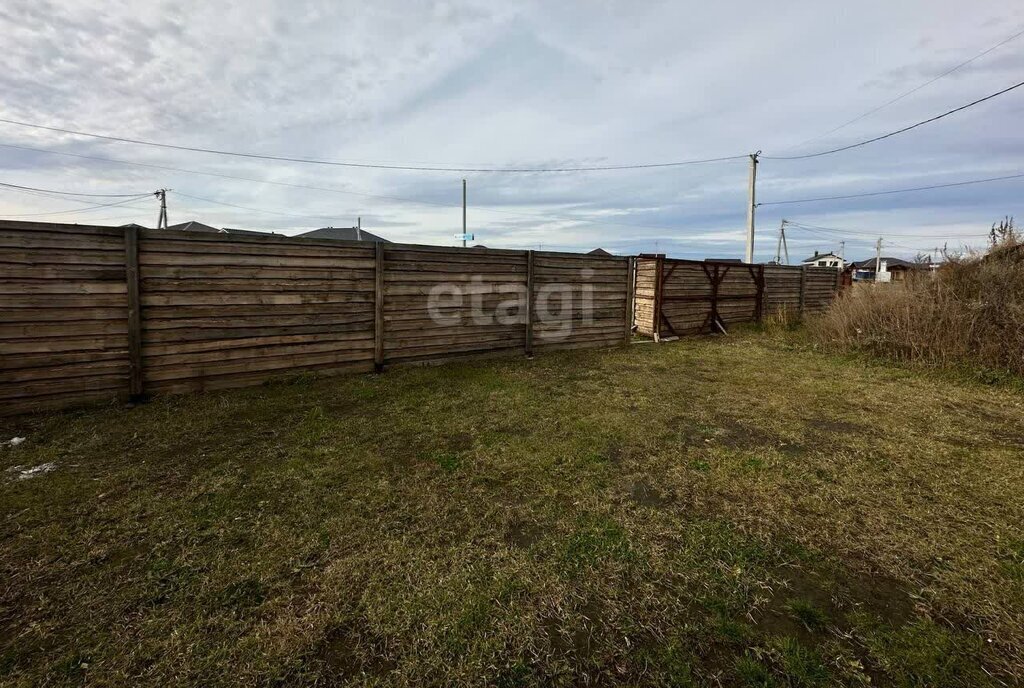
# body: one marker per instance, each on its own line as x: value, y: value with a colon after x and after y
x: 14, y: 316
x: 151, y: 352
x: 59, y: 241
x: 233, y: 249
x: 90, y: 383
x: 250, y: 309
x: 205, y: 298
x: 261, y: 364
x: 57, y: 344
x: 73, y: 328
x: 298, y: 349
x: 235, y: 380
x: 248, y: 272
x: 63, y: 300
x: 207, y: 334
x: 151, y: 285
x: 63, y: 272
x: 257, y: 321
x: 61, y: 228
x: 151, y: 258
x: 13, y: 286
x: 84, y: 368
x: 43, y: 256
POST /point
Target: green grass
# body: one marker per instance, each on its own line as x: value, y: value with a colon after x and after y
x: 729, y: 511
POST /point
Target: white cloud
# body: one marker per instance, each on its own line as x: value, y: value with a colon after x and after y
x: 535, y: 84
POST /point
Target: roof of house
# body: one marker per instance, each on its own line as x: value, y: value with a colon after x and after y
x: 869, y: 264
x: 136, y: 225
x: 193, y: 226
x: 343, y: 233
x: 232, y: 230
x: 820, y: 256
x: 723, y: 260
x: 598, y: 252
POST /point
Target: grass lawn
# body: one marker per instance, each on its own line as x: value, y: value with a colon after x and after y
x: 714, y: 511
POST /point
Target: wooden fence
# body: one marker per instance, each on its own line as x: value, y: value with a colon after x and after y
x: 677, y: 297
x: 93, y: 313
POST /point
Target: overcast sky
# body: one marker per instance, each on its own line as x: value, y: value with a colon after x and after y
x: 527, y: 84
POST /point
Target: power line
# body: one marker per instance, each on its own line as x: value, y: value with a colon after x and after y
x: 336, y: 163
x: 892, y: 133
x: 852, y: 232
x: 895, y: 191
x: 332, y: 190
x: 913, y: 90
x: 77, y: 210
x: 73, y: 193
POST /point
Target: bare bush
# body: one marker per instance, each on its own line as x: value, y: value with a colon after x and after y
x: 970, y: 311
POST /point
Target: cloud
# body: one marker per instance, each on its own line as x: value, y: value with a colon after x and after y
x: 452, y: 83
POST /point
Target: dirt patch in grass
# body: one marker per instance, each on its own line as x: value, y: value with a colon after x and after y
x: 523, y: 535
x: 349, y: 651
x: 645, y: 494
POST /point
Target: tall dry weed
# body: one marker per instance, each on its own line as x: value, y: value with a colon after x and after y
x: 970, y: 311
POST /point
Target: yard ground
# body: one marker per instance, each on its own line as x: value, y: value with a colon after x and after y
x: 728, y: 511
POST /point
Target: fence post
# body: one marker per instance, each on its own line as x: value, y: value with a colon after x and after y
x: 131, y: 276
x: 761, y: 288
x: 529, y: 303
x: 378, y: 307
x: 803, y: 288
x: 659, y: 281
x: 630, y: 282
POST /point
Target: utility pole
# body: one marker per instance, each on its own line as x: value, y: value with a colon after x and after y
x: 878, y: 257
x: 842, y: 253
x: 161, y: 222
x: 463, y: 213
x: 359, y: 229
x: 751, y: 207
x: 782, y: 245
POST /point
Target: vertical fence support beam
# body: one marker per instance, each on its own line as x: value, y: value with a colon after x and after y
x: 627, y: 336
x: 529, y: 303
x: 378, y: 307
x: 659, y: 282
x: 131, y: 276
x: 760, y: 293
x: 803, y: 288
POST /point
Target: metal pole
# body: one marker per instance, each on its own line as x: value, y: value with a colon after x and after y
x: 750, y: 208
x: 161, y: 222
x: 463, y: 213
x: 778, y: 244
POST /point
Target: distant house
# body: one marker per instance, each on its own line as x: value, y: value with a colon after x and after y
x: 824, y: 260
x: 889, y: 269
x: 598, y: 252
x: 343, y: 233
x: 193, y: 226
x: 134, y: 225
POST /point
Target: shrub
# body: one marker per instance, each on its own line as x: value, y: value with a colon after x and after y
x: 970, y: 311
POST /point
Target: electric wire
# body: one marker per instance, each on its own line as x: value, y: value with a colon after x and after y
x: 74, y: 193
x: 913, y: 90
x: 894, y: 133
x: 895, y: 190
x: 374, y: 166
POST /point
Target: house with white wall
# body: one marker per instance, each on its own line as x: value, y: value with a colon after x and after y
x: 824, y: 260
